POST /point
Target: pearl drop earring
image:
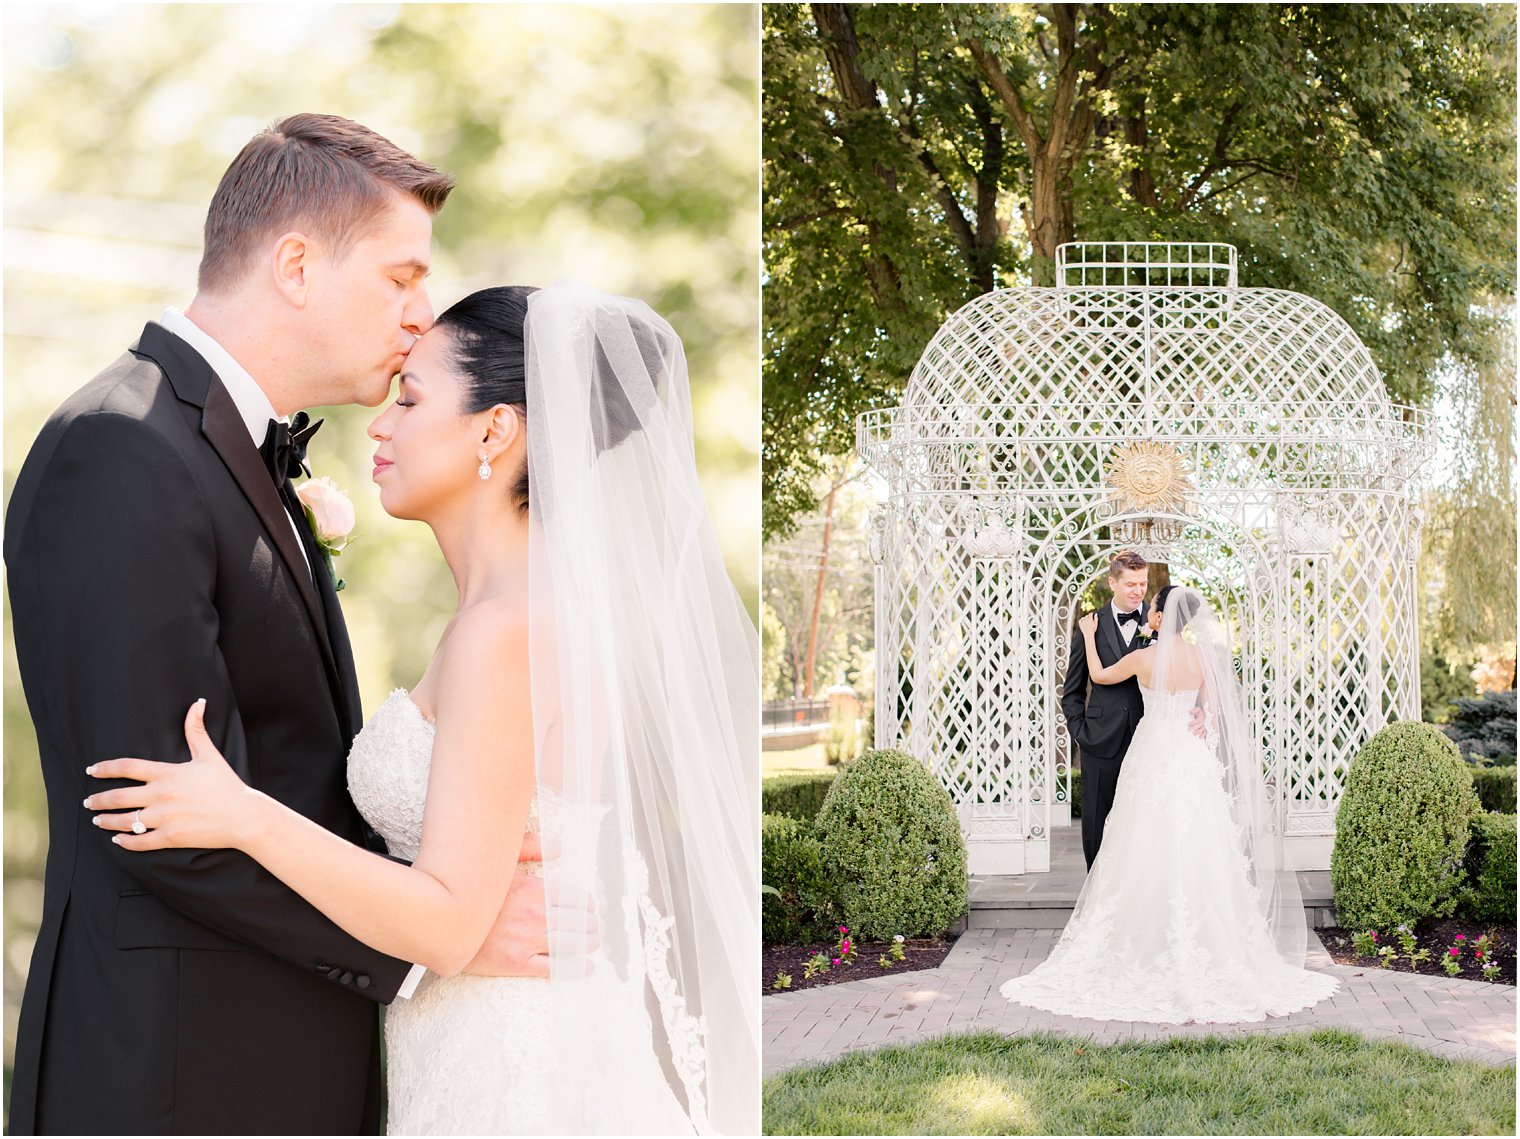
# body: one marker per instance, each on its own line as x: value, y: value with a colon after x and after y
x: 484, y: 470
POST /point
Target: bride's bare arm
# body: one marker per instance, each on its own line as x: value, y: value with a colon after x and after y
x: 437, y: 911
x: 1132, y: 664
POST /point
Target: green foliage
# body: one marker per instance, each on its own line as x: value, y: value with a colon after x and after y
x: 1495, y: 787
x: 1402, y: 829
x: 1442, y: 684
x: 901, y: 181
x: 892, y: 846
x: 1490, y: 867
x: 796, y: 796
x: 1483, y: 728
x: 802, y: 909
x: 1076, y: 793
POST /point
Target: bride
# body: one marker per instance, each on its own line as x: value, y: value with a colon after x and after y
x: 594, y: 688
x: 1189, y: 912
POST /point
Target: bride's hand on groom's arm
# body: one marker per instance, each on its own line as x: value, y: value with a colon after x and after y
x: 198, y: 803
x: 1088, y: 624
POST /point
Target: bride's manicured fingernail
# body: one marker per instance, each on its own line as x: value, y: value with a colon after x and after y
x: 90, y: 770
x: 86, y: 800
x: 97, y: 821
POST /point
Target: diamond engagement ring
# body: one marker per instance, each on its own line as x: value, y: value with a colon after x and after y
x: 137, y: 824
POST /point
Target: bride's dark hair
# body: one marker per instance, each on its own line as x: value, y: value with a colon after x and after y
x: 489, y: 354
x: 1188, y: 600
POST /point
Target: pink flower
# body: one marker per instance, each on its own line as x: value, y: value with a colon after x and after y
x: 836, y: 961
x: 331, y: 511
x: 844, y: 929
x: 1461, y: 937
x: 1453, y: 950
x: 845, y: 945
x: 1374, y: 935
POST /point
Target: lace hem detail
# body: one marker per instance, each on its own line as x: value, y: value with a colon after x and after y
x: 687, y: 1033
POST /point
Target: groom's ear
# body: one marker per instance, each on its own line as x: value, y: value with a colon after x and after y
x: 290, y: 262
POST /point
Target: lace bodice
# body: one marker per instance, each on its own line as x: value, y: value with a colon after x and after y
x: 388, y: 770
x: 1161, y: 705
x: 465, y: 1052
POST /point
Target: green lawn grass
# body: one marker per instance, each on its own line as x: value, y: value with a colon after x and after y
x: 1327, y: 1082
x: 794, y: 761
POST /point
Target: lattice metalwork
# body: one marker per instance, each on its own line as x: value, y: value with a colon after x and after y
x: 1281, y: 483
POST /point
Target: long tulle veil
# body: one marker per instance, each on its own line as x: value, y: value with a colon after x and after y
x: 1193, y: 638
x: 645, y: 703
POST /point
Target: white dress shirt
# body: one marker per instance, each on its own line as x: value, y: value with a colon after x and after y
x: 1127, y: 629
x: 254, y: 406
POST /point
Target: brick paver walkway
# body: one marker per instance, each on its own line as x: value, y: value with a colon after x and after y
x: 1452, y: 1018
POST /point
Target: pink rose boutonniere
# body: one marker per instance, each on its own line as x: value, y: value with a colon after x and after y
x: 331, y: 516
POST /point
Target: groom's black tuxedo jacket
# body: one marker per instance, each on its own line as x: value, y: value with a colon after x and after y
x: 150, y: 563
x: 1102, y: 722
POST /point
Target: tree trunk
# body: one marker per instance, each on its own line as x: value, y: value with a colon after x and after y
x: 810, y: 686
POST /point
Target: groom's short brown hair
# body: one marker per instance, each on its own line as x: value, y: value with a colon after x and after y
x: 327, y: 174
x: 1125, y: 560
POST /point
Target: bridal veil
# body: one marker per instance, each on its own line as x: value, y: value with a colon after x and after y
x: 1192, y: 631
x: 645, y: 703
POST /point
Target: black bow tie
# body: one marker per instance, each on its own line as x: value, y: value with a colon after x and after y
x: 284, y: 449
x: 1135, y: 617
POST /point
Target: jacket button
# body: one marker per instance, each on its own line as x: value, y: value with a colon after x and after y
x: 347, y: 978
x: 362, y: 980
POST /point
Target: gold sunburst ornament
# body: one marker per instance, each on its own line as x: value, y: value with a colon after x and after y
x: 1147, y: 476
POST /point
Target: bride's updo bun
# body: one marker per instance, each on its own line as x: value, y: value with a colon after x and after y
x: 488, y: 352
x: 1187, y: 602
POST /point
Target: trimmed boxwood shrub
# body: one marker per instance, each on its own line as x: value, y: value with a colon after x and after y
x: 803, y: 908
x: 892, y: 848
x: 1495, y: 787
x: 1401, y: 832
x: 798, y: 796
x: 1491, y: 869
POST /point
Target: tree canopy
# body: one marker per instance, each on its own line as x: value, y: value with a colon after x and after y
x: 917, y: 156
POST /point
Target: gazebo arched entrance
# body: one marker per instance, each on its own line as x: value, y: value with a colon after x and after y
x: 1242, y: 436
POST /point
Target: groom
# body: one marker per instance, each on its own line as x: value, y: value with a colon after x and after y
x: 1102, y: 722
x: 157, y: 554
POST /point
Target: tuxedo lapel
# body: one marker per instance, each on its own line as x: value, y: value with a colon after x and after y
x: 1110, y: 629
x: 196, y: 383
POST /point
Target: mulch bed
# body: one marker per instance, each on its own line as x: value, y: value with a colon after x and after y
x: 1438, y: 937
x: 920, y: 952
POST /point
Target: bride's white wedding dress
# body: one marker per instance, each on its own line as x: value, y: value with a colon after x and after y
x: 460, y: 1056
x: 1169, y: 927
x: 469, y: 1055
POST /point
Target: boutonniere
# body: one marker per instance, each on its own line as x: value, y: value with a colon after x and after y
x: 1145, y: 633
x: 331, y: 517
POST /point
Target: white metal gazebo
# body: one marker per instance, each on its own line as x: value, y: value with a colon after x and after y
x: 1147, y: 401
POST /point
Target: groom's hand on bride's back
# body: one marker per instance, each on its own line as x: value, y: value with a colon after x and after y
x: 518, y: 944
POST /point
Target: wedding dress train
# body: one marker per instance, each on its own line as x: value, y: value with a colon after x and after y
x: 1169, y: 926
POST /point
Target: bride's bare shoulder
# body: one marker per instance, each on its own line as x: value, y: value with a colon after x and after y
x: 490, y: 636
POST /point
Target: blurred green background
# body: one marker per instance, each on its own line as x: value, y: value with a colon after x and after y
x: 616, y: 145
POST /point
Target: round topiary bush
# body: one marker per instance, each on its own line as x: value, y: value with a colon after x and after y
x: 892, y: 847
x: 1401, y: 832
x: 802, y: 909
x: 1491, y: 869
